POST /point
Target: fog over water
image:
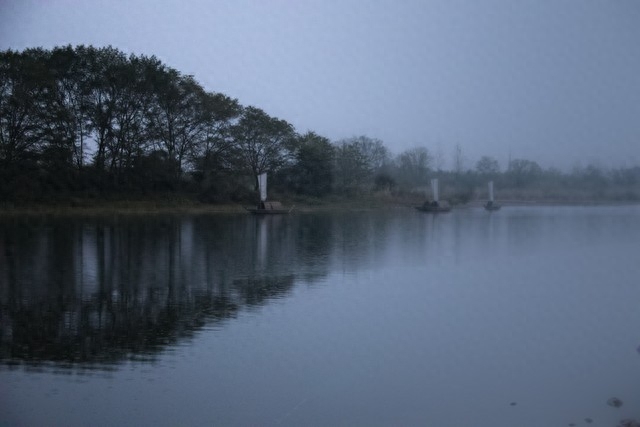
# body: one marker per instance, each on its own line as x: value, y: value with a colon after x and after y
x: 554, y: 82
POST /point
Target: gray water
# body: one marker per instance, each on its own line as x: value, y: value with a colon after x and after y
x: 528, y: 316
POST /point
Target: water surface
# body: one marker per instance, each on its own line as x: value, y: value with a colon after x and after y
x: 527, y: 316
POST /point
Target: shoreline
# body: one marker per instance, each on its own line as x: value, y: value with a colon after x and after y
x: 159, y: 208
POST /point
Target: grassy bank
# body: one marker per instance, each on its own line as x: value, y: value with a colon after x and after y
x: 379, y: 200
x: 192, y: 206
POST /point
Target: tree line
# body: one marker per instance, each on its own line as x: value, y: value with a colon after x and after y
x: 94, y: 122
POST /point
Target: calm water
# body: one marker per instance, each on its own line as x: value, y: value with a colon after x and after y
x: 522, y: 317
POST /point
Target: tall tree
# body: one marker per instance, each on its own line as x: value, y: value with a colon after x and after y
x: 133, y: 97
x: 102, y: 91
x: 523, y: 172
x: 212, y: 158
x: 220, y: 115
x: 262, y: 142
x: 24, y: 86
x: 177, y: 118
x: 65, y: 125
x: 487, y: 166
x: 68, y: 122
x: 311, y: 172
x: 458, y: 160
x: 357, y: 161
x: 413, y: 167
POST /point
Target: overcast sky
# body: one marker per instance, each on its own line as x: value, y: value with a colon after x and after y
x: 557, y: 82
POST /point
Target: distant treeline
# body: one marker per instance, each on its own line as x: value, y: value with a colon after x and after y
x: 86, y: 122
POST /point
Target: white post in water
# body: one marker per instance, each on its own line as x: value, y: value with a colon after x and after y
x: 262, y: 185
x: 434, y: 189
x: 491, y: 191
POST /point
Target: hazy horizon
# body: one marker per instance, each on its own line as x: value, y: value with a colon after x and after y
x: 545, y: 81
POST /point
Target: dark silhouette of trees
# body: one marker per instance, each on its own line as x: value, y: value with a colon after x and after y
x: 413, y: 167
x: 95, y: 119
x: 86, y: 122
x: 24, y: 88
x: 67, y: 120
x: 311, y: 173
x: 523, y: 172
x: 263, y: 143
x: 131, y: 99
x: 177, y: 118
x: 487, y: 166
x: 213, y: 158
x: 357, y: 161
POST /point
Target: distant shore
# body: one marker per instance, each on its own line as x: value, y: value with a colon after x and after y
x: 148, y: 207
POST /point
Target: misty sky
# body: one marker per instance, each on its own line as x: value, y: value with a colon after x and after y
x: 553, y: 81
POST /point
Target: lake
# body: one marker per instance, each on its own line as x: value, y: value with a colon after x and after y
x: 528, y: 316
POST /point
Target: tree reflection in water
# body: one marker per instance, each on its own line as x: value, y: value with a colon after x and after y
x: 94, y: 292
